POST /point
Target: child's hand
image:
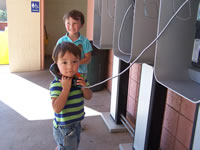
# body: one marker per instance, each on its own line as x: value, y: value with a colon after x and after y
x: 87, y: 93
x: 66, y: 82
x: 81, y: 82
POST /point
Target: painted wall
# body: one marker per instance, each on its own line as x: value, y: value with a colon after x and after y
x: 23, y: 36
x: 90, y: 20
x: 53, y: 14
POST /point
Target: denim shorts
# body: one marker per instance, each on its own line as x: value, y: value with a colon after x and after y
x: 67, y: 137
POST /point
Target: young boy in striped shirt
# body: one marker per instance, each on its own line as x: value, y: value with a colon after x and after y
x: 68, y: 97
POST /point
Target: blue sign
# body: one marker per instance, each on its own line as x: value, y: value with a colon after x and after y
x: 35, y: 6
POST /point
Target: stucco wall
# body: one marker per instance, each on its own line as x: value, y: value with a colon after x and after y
x: 23, y: 36
x: 53, y: 14
x: 90, y: 20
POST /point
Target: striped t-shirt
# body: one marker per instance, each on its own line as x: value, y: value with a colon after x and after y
x: 73, y: 110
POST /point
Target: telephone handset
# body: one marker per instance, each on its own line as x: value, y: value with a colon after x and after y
x: 196, y: 46
x: 56, y: 73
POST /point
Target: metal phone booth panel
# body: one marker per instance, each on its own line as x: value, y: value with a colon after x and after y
x: 135, y: 27
x: 173, y: 60
x: 103, y: 23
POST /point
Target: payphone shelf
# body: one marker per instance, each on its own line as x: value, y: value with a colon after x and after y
x: 188, y: 89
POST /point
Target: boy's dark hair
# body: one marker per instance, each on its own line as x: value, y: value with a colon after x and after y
x: 76, y: 15
x: 65, y: 47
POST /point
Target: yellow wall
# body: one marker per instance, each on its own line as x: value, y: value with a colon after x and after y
x: 23, y: 36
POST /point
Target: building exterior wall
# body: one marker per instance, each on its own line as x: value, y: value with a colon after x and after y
x: 133, y: 91
x: 23, y: 36
x: 178, y: 118
x: 178, y: 123
x: 90, y: 19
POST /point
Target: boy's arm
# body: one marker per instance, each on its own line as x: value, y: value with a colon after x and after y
x: 59, y: 102
x: 86, y: 59
x: 87, y: 93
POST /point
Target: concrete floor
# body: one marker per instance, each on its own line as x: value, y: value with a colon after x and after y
x: 26, y: 115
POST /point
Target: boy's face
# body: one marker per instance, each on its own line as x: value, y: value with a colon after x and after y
x: 73, y: 26
x: 68, y: 64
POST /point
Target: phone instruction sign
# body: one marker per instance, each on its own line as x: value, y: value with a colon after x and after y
x: 35, y: 6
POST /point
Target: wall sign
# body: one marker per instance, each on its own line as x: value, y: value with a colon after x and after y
x: 35, y: 6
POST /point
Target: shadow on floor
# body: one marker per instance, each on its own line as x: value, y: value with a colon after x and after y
x: 26, y: 117
x: 18, y: 133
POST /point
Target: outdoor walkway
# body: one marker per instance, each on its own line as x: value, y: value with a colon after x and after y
x: 26, y: 115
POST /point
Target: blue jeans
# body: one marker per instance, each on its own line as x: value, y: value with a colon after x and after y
x: 67, y: 137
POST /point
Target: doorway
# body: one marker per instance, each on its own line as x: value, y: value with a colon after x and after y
x: 52, y: 25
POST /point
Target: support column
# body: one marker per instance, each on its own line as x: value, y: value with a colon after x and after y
x: 119, y: 95
x: 151, y: 105
x: 196, y: 130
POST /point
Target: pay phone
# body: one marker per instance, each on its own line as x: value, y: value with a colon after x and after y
x: 196, y: 47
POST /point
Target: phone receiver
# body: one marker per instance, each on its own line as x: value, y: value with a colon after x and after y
x: 55, y: 71
x: 74, y: 80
